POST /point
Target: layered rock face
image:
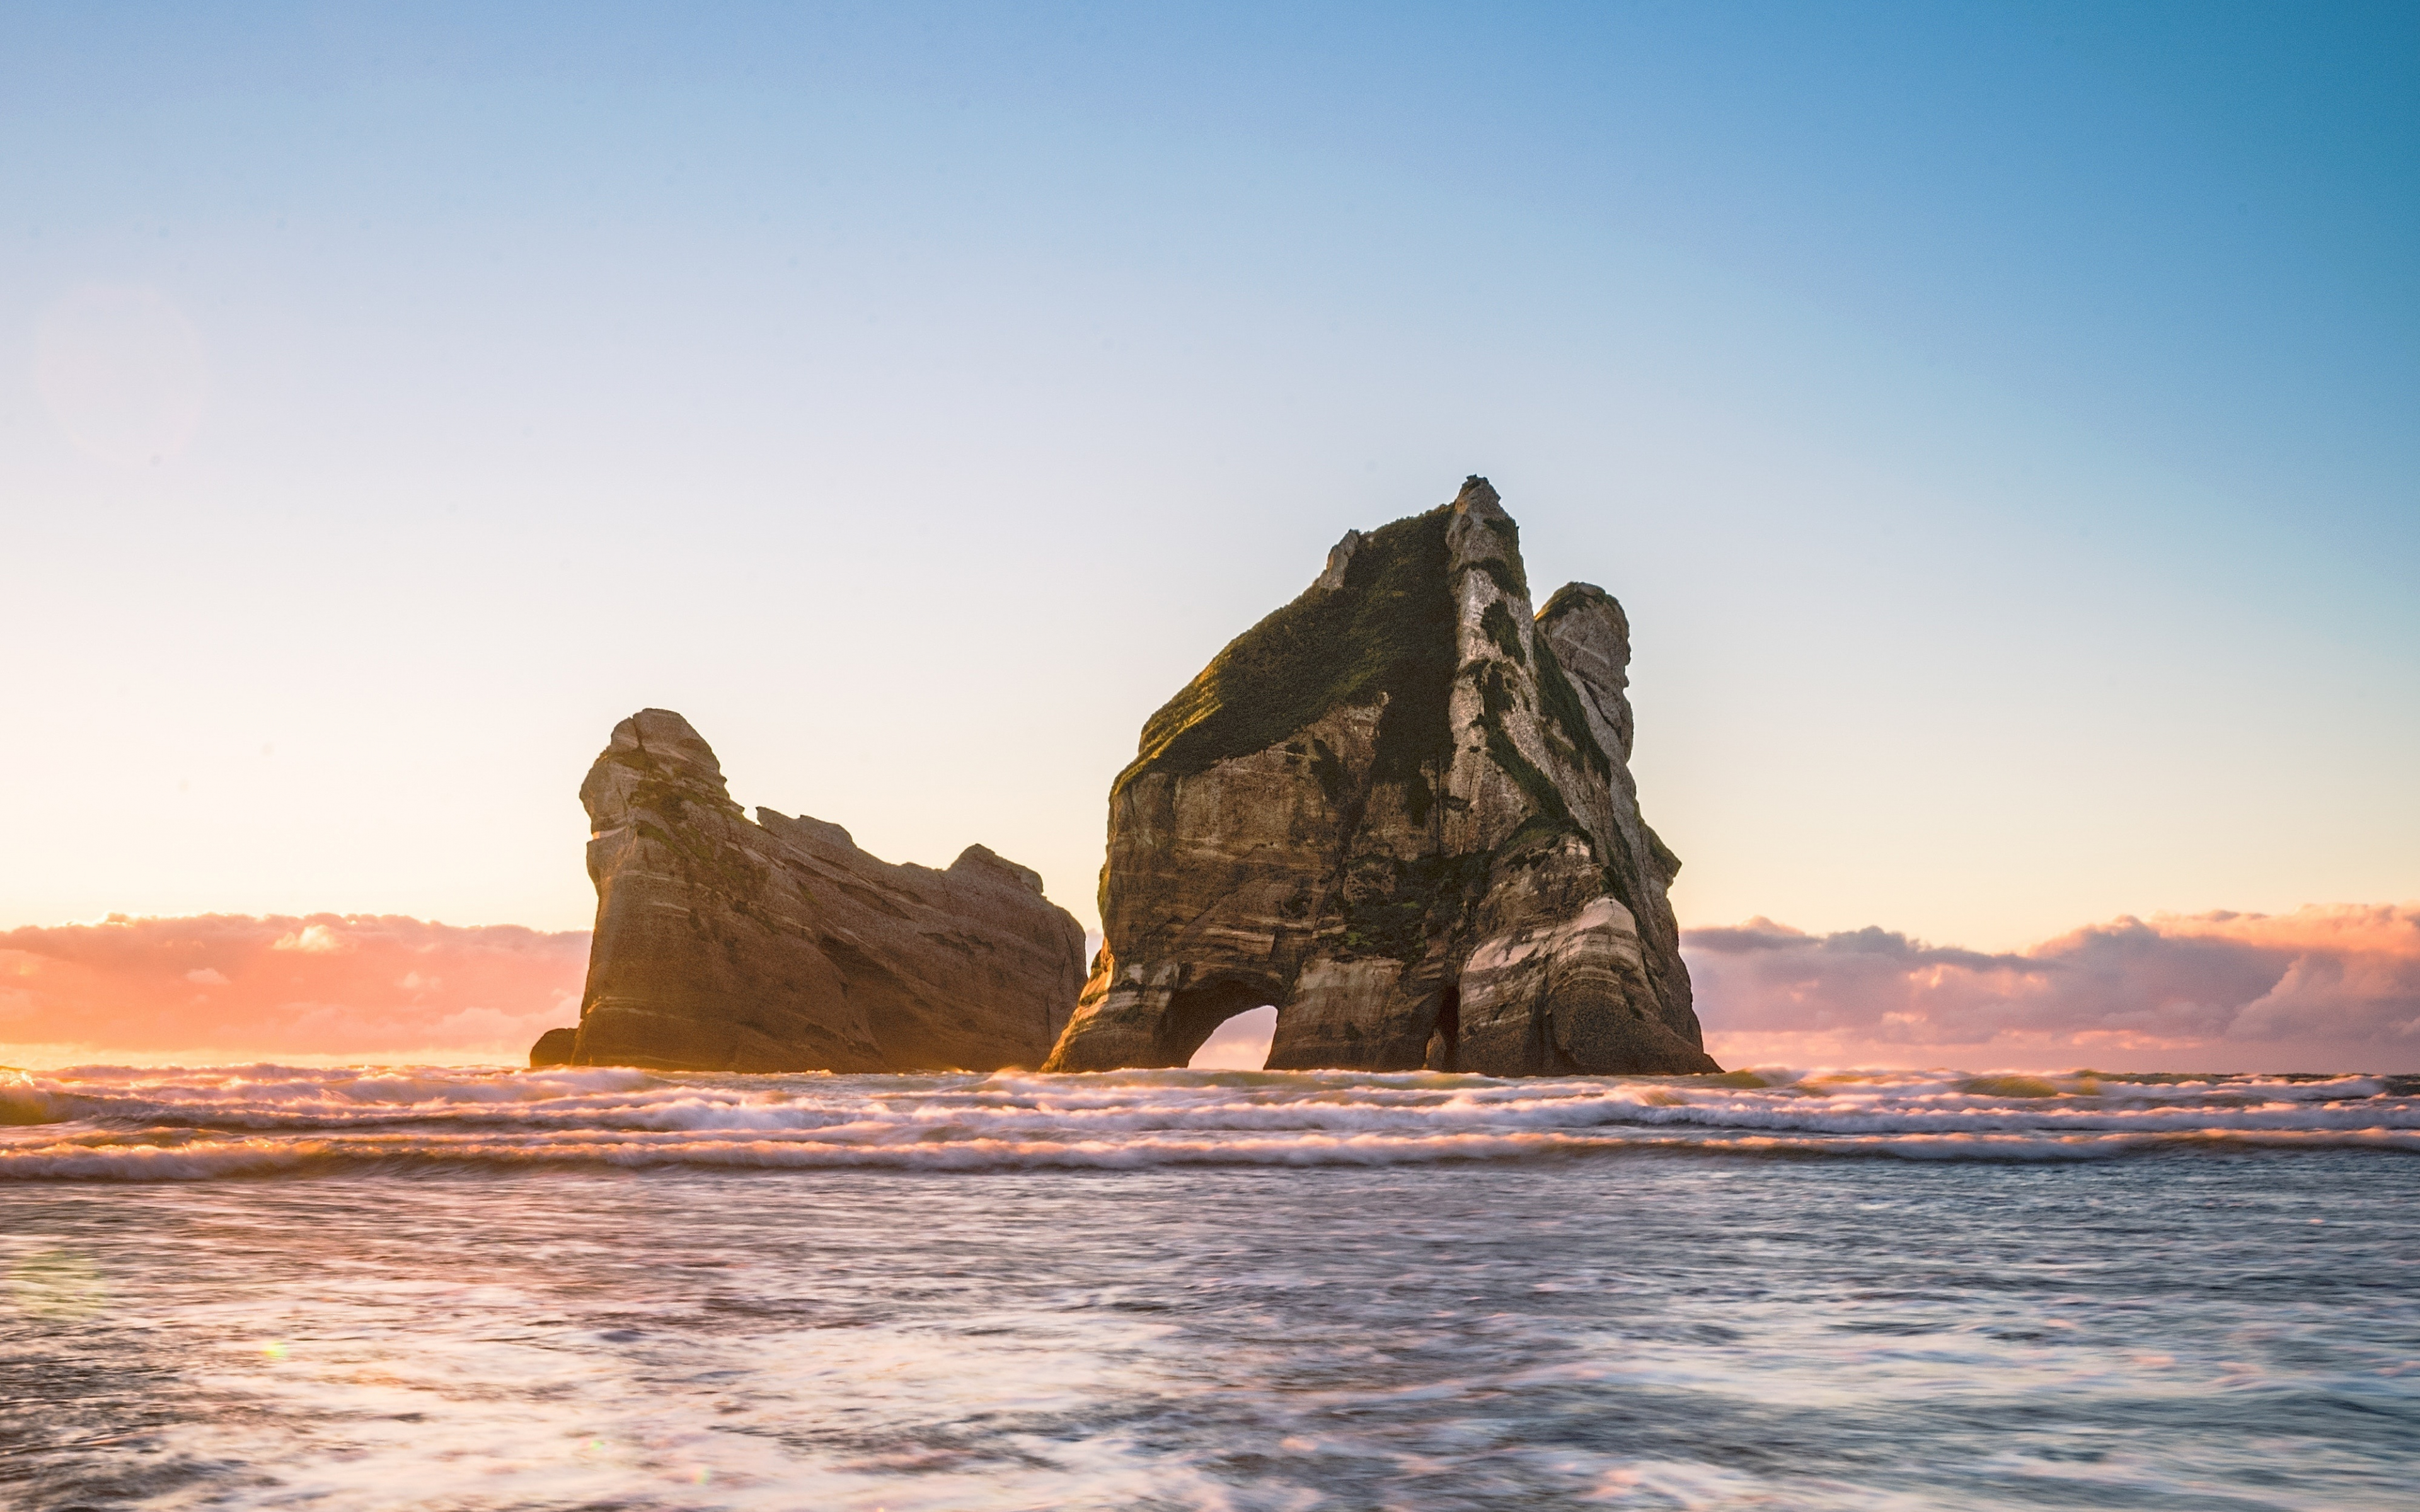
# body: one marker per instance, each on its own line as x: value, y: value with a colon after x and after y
x: 723, y: 945
x: 1399, y: 809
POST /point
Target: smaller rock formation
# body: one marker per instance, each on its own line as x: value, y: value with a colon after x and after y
x: 555, y: 1048
x: 777, y: 946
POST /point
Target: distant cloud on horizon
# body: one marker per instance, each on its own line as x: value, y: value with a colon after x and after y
x: 2320, y: 989
x: 2324, y: 988
x: 366, y: 986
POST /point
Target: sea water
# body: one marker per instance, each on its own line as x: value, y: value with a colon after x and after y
x: 261, y: 1286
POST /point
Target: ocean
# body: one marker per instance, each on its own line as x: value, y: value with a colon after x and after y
x: 262, y: 1286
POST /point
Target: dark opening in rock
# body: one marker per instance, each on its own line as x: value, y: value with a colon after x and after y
x: 1193, y: 1012
x: 1446, y: 1035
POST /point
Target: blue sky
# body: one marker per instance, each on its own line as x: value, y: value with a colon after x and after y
x: 1999, y: 422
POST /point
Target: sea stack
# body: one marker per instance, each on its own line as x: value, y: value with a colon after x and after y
x: 1400, y: 809
x: 777, y: 945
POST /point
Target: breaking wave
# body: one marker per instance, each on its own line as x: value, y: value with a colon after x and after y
x: 197, y: 1123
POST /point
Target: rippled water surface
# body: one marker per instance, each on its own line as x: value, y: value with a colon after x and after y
x: 269, y: 1288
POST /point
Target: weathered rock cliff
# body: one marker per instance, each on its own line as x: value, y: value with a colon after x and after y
x: 1400, y: 810
x: 722, y: 945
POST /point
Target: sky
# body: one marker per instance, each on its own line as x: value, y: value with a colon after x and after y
x: 1998, y: 422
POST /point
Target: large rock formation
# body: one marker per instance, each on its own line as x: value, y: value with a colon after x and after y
x: 722, y: 945
x: 1400, y: 810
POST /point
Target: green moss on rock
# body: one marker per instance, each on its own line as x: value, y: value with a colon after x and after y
x: 1546, y: 800
x: 1388, y: 632
x: 1507, y: 576
x: 1498, y: 622
x: 1325, y: 767
x: 1569, y: 597
x: 1393, y: 906
x: 1560, y: 702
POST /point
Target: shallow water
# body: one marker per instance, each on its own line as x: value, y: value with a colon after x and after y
x: 448, y: 1290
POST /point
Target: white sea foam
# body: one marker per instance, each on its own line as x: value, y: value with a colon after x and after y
x: 256, y: 1288
x: 193, y: 1123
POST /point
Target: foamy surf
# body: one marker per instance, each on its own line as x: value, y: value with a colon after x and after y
x: 1216, y: 1292
x: 199, y: 1123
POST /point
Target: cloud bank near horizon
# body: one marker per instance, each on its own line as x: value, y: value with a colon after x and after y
x: 365, y: 986
x: 2323, y: 988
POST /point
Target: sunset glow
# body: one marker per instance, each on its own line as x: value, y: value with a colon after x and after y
x: 1217, y: 757
x: 2323, y: 988
x: 328, y: 987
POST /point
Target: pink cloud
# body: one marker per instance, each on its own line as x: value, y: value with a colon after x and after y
x: 2319, y: 989
x: 228, y: 986
x: 2323, y: 988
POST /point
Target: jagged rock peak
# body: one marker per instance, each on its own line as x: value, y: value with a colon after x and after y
x: 1340, y: 556
x: 777, y: 945
x: 983, y: 858
x: 1591, y: 636
x: 664, y: 751
x: 1400, y: 809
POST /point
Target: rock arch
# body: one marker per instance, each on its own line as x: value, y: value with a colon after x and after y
x: 1400, y: 809
x: 1194, y: 1013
